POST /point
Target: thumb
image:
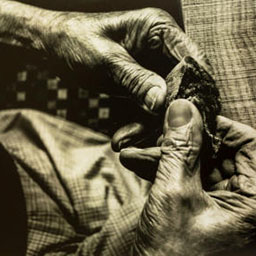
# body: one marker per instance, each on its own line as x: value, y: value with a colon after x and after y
x: 182, y: 141
x: 148, y: 88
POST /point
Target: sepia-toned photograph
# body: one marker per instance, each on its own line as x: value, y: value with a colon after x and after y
x: 128, y: 128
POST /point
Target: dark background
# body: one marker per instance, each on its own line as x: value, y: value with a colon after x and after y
x: 172, y: 6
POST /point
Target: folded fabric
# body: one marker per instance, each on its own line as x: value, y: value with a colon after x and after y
x: 79, y: 199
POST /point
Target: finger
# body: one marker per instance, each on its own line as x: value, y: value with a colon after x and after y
x: 242, y: 139
x: 160, y: 140
x: 148, y: 88
x: 164, y: 33
x: 234, y: 134
x: 228, y: 167
x: 128, y: 135
x: 214, y: 178
x: 177, y: 44
x: 143, y: 162
x: 221, y: 185
x: 134, y: 135
x: 142, y: 133
x: 182, y: 141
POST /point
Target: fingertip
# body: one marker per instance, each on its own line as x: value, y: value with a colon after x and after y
x: 124, y: 136
x: 115, y: 145
x: 156, y: 95
x: 143, y: 162
x: 179, y: 113
x: 183, y: 122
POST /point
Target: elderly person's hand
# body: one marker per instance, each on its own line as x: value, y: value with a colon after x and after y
x: 182, y: 216
x: 104, y: 44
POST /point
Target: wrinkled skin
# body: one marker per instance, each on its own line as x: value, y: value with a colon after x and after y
x: 180, y: 216
x: 115, y: 43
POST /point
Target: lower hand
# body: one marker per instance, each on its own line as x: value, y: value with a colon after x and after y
x: 181, y: 216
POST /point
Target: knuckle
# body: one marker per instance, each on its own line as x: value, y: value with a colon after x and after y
x: 135, y: 81
x: 157, y: 22
x: 123, y: 71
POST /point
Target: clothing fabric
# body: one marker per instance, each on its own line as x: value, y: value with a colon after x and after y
x: 79, y: 199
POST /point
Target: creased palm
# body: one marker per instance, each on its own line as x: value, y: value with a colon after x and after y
x: 230, y: 217
x: 191, y: 209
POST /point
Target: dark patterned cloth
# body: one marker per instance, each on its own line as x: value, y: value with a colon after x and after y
x: 33, y: 86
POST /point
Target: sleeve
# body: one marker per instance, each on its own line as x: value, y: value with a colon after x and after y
x: 79, y: 199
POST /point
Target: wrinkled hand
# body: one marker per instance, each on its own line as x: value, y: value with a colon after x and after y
x: 180, y: 217
x: 114, y: 44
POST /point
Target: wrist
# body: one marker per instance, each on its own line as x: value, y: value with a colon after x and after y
x: 26, y: 26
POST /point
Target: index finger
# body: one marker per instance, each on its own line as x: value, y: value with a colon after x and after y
x: 177, y: 44
x: 235, y: 134
x: 242, y: 139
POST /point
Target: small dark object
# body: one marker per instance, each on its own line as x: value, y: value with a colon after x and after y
x: 188, y: 80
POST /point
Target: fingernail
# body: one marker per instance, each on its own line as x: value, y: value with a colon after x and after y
x: 122, y: 144
x: 179, y: 113
x: 154, y: 98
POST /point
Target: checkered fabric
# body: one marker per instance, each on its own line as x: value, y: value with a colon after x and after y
x: 226, y: 30
x: 40, y: 89
x: 79, y: 199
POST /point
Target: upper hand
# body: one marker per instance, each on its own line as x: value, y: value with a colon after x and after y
x: 115, y: 43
